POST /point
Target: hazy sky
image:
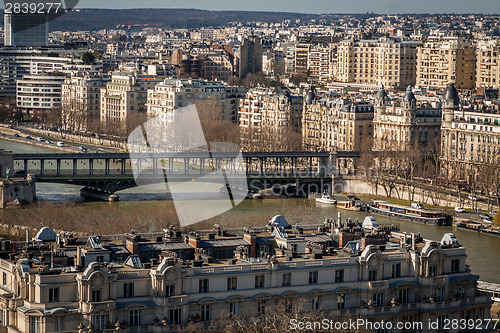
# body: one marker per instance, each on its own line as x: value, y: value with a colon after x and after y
x: 312, y: 6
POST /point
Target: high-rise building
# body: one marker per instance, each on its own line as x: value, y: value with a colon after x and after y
x: 26, y: 29
x: 250, y: 59
x: 488, y: 64
x: 386, y: 61
x: 441, y: 62
x: 14, y: 64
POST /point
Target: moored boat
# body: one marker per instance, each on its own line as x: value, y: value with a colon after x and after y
x: 425, y: 216
x: 326, y: 199
x: 348, y: 205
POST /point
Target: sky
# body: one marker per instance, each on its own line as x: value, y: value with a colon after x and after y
x: 312, y: 6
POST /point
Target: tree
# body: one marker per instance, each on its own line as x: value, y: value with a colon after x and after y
x: 88, y: 58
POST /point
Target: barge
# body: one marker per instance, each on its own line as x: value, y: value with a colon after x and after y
x: 418, y: 215
x: 481, y: 227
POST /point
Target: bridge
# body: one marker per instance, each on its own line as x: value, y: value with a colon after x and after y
x: 113, y: 171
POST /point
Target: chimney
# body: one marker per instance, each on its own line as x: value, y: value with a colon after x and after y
x: 339, y: 220
x: 78, y: 256
x: 132, y: 245
x: 27, y: 235
x: 194, y: 240
x: 413, y: 241
x: 250, y: 237
x: 372, y: 240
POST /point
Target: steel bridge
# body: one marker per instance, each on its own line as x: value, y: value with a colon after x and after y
x: 113, y: 171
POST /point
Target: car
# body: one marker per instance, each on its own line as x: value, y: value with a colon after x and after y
x: 459, y: 210
x: 417, y: 205
x: 20, y: 173
x: 485, y: 216
x: 48, y: 142
x: 60, y: 144
x: 16, y: 135
x: 39, y: 139
x: 29, y: 137
x: 352, y: 197
x: 493, y: 212
x: 472, y: 197
x: 3, y: 134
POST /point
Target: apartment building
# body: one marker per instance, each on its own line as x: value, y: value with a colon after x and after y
x: 172, y: 94
x: 81, y: 100
x: 38, y: 94
x: 336, y: 124
x: 488, y: 64
x: 405, y: 123
x: 470, y: 134
x: 271, y: 110
x: 124, y: 97
x: 320, y: 63
x: 250, y: 56
x: 16, y: 63
x: 443, y: 61
x: 302, y: 57
x: 386, y: 61
x: 161, y: 282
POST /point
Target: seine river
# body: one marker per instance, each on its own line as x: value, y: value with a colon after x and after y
x: 482, y: 250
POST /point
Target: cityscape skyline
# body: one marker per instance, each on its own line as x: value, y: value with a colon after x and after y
x: 315, y: 7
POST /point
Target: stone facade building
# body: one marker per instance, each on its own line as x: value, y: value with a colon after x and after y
x: 136, y: 284
x: 403, y: 124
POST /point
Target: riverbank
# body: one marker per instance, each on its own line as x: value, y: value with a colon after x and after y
x: 71, y: 146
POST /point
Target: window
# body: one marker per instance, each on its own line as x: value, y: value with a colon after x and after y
x: 35, y: 325
x: 341, y: 301
x: 259, y: 281
x: 432, y: 270
x: 135, y: 317
x: 339, y: 276
x: 59, y: 324
x: 203, y: 286
x: 261, y: 307
x: 463, y: 291
x: 313, y: 277
x: 288, y: 305
x: 100, y: 259
x: 96, y: 295
x: 286, y: 279
x: 174, y: 316
x: 403, y: 295
x: 438, y: 294
x: 53, y: 294
x: 455, y: 265
x: 231, y: 283
x: 396, y: 270
x: 128, y: 290
x: 4, y: 278
x: 372, y: 275
x: 205, y: 312
x: 170, y: 290
x: 315, y: 303
x: 378, y: 299
x: 233, y: 309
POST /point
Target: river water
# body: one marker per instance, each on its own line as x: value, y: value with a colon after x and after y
x: 482, y: 250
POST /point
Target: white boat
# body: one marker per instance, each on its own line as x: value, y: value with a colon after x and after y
x: 326, y: 199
